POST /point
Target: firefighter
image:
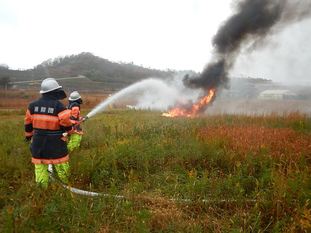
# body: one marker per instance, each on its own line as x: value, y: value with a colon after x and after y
x: 47, y: 122
x: 75, y: 138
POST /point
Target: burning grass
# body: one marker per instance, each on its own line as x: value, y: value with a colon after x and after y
x: 252, y: 172
x: 194, y: 109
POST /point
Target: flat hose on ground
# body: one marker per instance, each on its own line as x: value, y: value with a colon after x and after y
x: 96, y: 194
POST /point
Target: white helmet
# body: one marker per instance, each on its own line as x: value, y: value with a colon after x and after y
x: 48, y: 85
x: 74, y: 96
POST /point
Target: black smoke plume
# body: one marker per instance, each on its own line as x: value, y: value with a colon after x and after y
x: 248, y: 27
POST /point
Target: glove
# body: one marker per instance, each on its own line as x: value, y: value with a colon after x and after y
x: 65, y: 137
x: 27, y: 138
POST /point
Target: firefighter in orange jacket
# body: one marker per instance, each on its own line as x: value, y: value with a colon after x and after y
x: 46, y: 122
x: 75, y: 138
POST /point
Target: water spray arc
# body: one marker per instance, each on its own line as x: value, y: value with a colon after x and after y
x: 147, y: 84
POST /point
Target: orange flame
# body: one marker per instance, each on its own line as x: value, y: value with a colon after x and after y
x: 195, y: 109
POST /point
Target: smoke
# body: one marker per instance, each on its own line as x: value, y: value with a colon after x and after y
x: 249, y: 27
x: 286, y: 59
x: 158, y: 97
x: 170, y: 93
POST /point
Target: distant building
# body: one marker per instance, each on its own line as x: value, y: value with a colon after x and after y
x: 277, y: 95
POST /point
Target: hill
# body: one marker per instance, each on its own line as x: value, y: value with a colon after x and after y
x: 100, y: 73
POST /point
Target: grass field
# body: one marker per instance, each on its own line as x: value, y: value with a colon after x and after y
x: 18, y: 99
x: 238, y: 174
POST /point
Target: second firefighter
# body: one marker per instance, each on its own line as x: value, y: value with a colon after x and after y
x: 75, y: 138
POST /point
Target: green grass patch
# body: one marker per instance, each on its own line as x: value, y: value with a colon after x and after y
x: 157, y: 163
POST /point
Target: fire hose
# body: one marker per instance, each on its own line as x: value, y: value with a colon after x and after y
x: 76, y: 190
x: 121, y: 197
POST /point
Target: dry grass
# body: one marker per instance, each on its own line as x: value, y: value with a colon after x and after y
x: 152, y: 159
x: 259, y: 107
x: 17, y: 99
x: 254, y: 139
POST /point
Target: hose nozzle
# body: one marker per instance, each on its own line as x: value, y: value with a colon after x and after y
x: 84, y: 118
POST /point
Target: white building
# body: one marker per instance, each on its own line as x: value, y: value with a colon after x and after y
x: 277, y: 95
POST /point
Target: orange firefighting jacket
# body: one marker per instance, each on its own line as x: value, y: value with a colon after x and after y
x: 75, y: 118
x: 46, y: 120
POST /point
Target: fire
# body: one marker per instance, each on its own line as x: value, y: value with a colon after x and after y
x: 195, y: 109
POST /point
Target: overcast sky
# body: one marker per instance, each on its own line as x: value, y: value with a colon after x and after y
x: 174, y: 34
x: 157, y: 33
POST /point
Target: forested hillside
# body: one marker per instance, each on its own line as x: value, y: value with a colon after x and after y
x: 97, y: 70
